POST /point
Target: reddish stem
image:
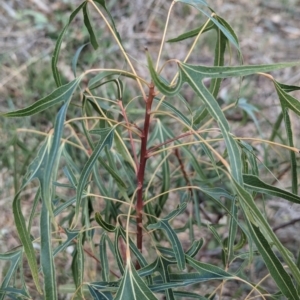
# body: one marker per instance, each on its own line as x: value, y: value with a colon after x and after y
x: 142, y: 167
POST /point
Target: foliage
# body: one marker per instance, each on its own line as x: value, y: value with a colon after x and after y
x: 114, y: 183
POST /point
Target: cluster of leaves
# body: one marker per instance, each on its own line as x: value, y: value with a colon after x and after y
x: 137, y: 164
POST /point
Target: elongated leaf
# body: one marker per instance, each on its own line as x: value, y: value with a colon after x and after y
x: 108, y: 227
x: 255, y: 217
x: 193, y: 2
x: 195, y: 81
x: 71, y: 235
x: 219, y: 24
x: 161, y: 85
x: 255, y: 184
x: 208, y: 271
x: 89, y: 26
x: 193, y: 32
x: 87, y: 169
x: 47, y: 259
x: 236, y: 71
x: 61, y: 94
x: 24, y: 236
x: 78, y: 266
x: 232, y: 231
x: 171, y: 234
x: 75, y: 58
x: 58, y: 45
x: 176, y: 112
x: 289, y: 102
x: 133, y: 287
x: 103, y: 257
x: 165, y: 184
x: 279, y: 274
x: 103, y: 4
x: 97, y: 295
x: 14, y: 258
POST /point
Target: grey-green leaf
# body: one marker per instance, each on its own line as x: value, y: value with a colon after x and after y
x: 133, y: 287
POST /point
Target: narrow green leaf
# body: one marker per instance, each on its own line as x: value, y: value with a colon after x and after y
x: 103, y: 257
x: 195, y: 248
x: 165, y: 183
x: 47, y: 259
x: 71, y: 235
x: 279, y: 274
x: 103, y: 4
x: 236, y: 71
x: 182, y: 294
x: 232, y: 230
x: 89, y: 27
x: 14, y: 258
x: 208, y: 271
x: 133, y: 287
x: 87, y: 169
x: 193, y: 32
x: 219, y: 24
x: 24, y: 236
x: 193, y: 2
x: 75, y: 58
x: 254, y: 215
x: 106, y: 226
x: 171, y: 234
x: 176, y: 112
x: 194, y: 79
x: 97, y: 295
x: 58, y: 45
x: 61, y: 94
x: 79, y: 265
x: 288, y: 88
x: 220, y: 48
x: 161, y: 85
x: 254, y: 183
x: 289, y: 102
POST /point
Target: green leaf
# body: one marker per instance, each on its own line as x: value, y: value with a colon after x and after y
x: 279, y: 274
x: 103, y: 257
x: 61, y: 94
x: 97, y: 295
x: 193, y: 2
x: 78, y: 264
x: 106, y: 226
x: 236, y: 71
x: 133, y: 287
x: 14, y: 258
x: 254, y: 215
x: 194, y: 79
x: 47, y: 259
x: 208, y: 271
x: 219, y: 24
x: 160, y: 84
x: 171, y: 234
x: 71, y: 235
x: 103, y: 4
x: 75, y: 58
x: 193, y: 32
x: 89, y: 27
x: 289, y: 102
x: 254, y: 183
x: 58, y: 45
x: 87, y: 169
x: 24, y: 236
